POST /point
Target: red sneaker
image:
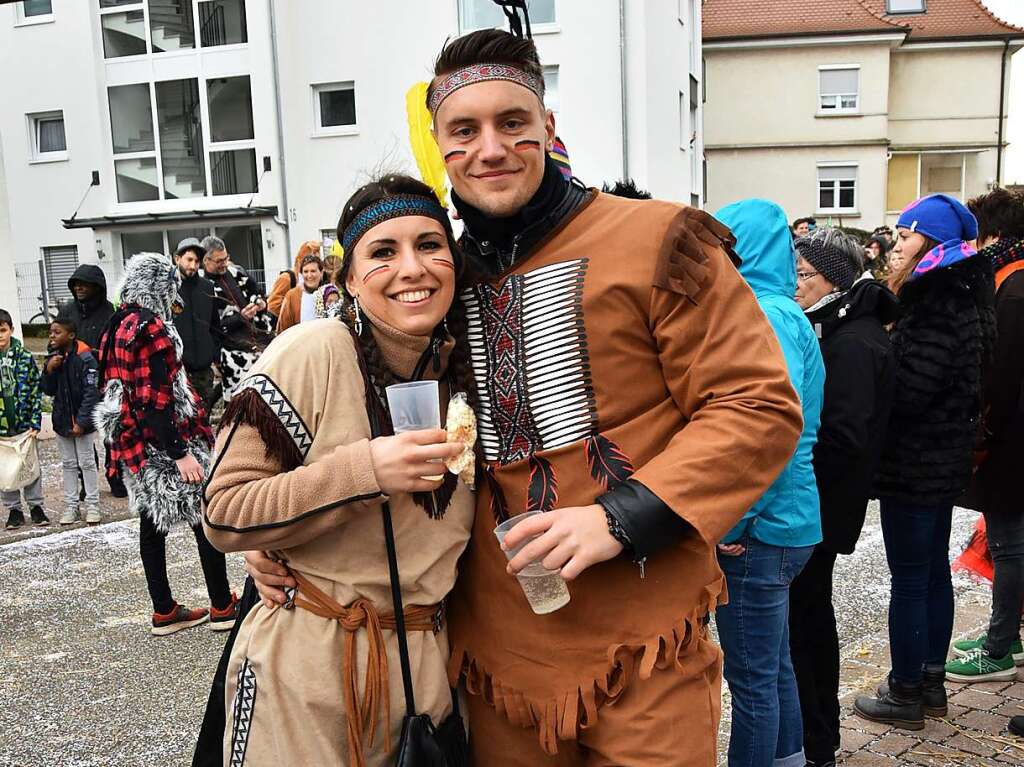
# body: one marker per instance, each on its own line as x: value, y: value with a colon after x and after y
x: 177, y: 619
x: 224, y: 620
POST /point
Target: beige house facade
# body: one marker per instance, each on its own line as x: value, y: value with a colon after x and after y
x: 847, y: 112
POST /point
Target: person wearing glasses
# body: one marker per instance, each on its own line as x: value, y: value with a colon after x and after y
x: 848, y: 311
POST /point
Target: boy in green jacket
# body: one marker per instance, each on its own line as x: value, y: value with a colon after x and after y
x: 20, y: 411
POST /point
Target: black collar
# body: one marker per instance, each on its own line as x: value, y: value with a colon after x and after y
x: 493, y: 245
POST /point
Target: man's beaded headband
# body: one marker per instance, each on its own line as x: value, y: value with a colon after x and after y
x: 478, y: 73
x: 388, y: 208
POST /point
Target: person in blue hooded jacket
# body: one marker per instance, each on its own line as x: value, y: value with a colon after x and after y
x: 769, y: 547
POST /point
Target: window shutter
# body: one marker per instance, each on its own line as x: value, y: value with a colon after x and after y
x: 839, y: 80
x: 60, y: 263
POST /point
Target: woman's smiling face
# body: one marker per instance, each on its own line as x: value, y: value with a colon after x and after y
x: 403, y: 272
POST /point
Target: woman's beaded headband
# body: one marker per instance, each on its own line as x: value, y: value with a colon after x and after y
x: 478, y: 73
x: 388, y: 208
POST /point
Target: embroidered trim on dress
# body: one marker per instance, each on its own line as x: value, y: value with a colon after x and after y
x: 245, y: 702
x: 282, y: 408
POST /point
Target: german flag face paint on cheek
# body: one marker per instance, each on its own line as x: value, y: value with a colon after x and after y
x: 455, y: 154
x: 444, y: 262
x: 527, y: 145
x: 376, y: 271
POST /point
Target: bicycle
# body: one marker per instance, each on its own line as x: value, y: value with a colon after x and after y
x: 43, y: 317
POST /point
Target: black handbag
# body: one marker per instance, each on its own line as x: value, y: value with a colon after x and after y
x: 420, y: 744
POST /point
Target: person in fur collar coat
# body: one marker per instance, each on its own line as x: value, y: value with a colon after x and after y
x: 156, y: 428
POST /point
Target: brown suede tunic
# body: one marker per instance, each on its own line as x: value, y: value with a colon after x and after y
x: 286, y: 682
x: 626, y: 345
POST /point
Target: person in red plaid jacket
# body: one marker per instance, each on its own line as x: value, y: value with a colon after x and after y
x: 158, y: 433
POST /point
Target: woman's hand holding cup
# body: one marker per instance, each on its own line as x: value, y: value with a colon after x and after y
x: 401, y: 464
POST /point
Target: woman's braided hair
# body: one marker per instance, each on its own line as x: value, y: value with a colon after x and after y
x: 460, y: 371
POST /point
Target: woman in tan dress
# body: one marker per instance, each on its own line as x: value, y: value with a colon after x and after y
x: 298, y: 472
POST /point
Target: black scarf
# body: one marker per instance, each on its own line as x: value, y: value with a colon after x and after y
x: 493, y: 245
x: 1003, y: 253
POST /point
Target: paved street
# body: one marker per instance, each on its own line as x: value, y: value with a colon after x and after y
x: 83, y: 684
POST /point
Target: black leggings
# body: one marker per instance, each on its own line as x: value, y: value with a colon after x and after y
x: 153, y: 549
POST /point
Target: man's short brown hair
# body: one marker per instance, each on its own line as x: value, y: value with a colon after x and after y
x: 1000, y: 213
x: 487, y: 46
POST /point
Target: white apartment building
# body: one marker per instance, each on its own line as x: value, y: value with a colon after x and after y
x: 256, y: 119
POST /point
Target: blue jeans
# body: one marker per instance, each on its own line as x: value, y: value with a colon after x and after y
x: 754, y: 631
x: 921, y: 599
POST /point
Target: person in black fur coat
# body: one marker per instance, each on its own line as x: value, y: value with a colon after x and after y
x: 993, y: 656
x: 942, y: 342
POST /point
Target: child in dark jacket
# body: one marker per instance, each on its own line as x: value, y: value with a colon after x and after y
x: 70, y: 377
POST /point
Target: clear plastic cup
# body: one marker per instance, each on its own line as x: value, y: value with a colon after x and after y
x: 545, y: 589
x: 415, y: 406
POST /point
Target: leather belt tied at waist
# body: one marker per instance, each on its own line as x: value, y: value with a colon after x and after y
x: 363, y: 613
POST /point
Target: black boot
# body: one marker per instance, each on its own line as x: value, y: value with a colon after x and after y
x: 1017, y: 726
x: 933, y: 690
x: 117, y: 488
x: 900, y: 706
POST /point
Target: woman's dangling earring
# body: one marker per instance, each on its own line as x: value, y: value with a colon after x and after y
x: 444, y: 326
x: 358, y: 316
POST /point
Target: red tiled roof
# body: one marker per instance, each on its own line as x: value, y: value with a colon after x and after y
x: 947, y: 19
x: 773, y: 18
x: 729, y: 19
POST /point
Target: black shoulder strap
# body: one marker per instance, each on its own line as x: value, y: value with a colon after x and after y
x: 376, y: 430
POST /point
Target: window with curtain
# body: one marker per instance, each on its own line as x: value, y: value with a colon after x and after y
x: 51, y: 135
x: 839, y: 89
x: 48, y: 139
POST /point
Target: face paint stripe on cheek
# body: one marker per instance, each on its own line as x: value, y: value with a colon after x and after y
x: 444, y: 262
x: 526, y: 145
x: 455, y: 154
x: 376, y: 271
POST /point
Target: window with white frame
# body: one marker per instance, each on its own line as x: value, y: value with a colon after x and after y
x: 696, y: 160
x: 484, y: 14
x: 138, y: 27
x: 838, y: 88
x: 551, y: 99
x: 47, y: 137
x: 334, y: 109
x: 684, y: 131
x: 202, y: 141
x: 694, y: 43
x: 905, y: 6
x: 837, y: 188
x: 34, y: 11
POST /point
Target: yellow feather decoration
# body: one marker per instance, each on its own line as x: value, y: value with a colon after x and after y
x: 424, y: 147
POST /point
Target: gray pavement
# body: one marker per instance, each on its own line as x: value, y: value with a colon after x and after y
x: 83, y: 684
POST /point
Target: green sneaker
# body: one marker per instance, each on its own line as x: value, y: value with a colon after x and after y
x: 967, y: 646
x: 979, y: 666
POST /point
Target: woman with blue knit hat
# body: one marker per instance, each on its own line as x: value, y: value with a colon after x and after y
x: 942, y: 342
